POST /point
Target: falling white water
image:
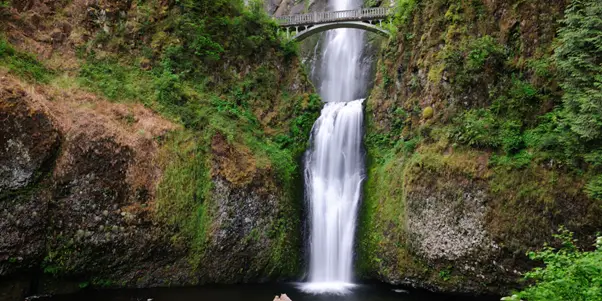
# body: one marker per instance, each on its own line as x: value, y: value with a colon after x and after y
x: 334, y: 165
x: 334, y: 173
x: 342, y: 75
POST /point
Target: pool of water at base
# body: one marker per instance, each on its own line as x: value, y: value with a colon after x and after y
x: 260, y: 292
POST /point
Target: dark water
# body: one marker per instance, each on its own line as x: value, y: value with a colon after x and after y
x: 260, y: 292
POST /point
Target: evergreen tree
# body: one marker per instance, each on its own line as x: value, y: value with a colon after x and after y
x: 579, y: 60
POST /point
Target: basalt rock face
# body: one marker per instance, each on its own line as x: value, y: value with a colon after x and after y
x: 250, y: 206
x: 453, y: 215
x: 30, y: 142
x: 70, y: 197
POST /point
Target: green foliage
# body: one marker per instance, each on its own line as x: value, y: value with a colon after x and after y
x: 22, y: 64
x: 213, y: 32
x: 100, y: 282
x: 519, y: 160
x: 302, y: 124
x: 579, y: 61
x: 594, y: 187
x: 183, y: 192
x: 511, y: 137
x: 481, y: 50
x: 470, y: 61
x: 518, y: 99
x: 290, y: 49
x: 478, y: 128
x: 115, y: 81
x: 403, y: 12
x: 84, y: 284
x: 569, y: 273
x: 445, y: 274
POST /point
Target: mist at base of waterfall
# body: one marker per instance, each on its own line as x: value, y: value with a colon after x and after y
x: 337, y: 288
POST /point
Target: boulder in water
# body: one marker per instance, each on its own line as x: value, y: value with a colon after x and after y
x: 282, y: 297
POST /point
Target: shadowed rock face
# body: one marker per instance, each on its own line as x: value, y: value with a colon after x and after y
x: 28, y: 140
x: 29, y: 143
x: 71, y: 202
x: 22, y: 221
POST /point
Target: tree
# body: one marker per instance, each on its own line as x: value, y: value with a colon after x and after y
x: 579, y: 60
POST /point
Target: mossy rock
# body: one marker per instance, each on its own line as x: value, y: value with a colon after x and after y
x: 427, y: 113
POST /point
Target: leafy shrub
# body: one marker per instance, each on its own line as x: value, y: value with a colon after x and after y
x: 482, y: 50
x: 511, y: 136
x: 519, y: 160
x: 520, y: 99
x: 569, y: 273
x: 477, y: 127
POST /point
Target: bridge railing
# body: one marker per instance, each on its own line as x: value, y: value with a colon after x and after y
x: 364, y: 14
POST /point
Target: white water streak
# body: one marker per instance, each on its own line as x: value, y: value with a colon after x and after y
x: 334, y: 167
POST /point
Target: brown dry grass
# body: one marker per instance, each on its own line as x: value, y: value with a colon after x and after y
x: 78, y: 113
x: 235, y: 163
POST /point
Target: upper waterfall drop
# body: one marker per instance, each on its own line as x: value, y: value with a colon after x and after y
x: 343, y: 79
x: 334, y: 163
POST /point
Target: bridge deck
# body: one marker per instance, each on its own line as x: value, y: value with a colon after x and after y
x: 364, y: 14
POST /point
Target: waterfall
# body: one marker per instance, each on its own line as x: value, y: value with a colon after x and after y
x: 334, y: 164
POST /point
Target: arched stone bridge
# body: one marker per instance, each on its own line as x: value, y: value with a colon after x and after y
x: 305, y: 25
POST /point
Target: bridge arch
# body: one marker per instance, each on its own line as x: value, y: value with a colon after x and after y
x: 317, y: 22
x: 344, y: 24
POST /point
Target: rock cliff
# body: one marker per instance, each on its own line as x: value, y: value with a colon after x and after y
x: 459, y: 188
x: 119, y: 170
